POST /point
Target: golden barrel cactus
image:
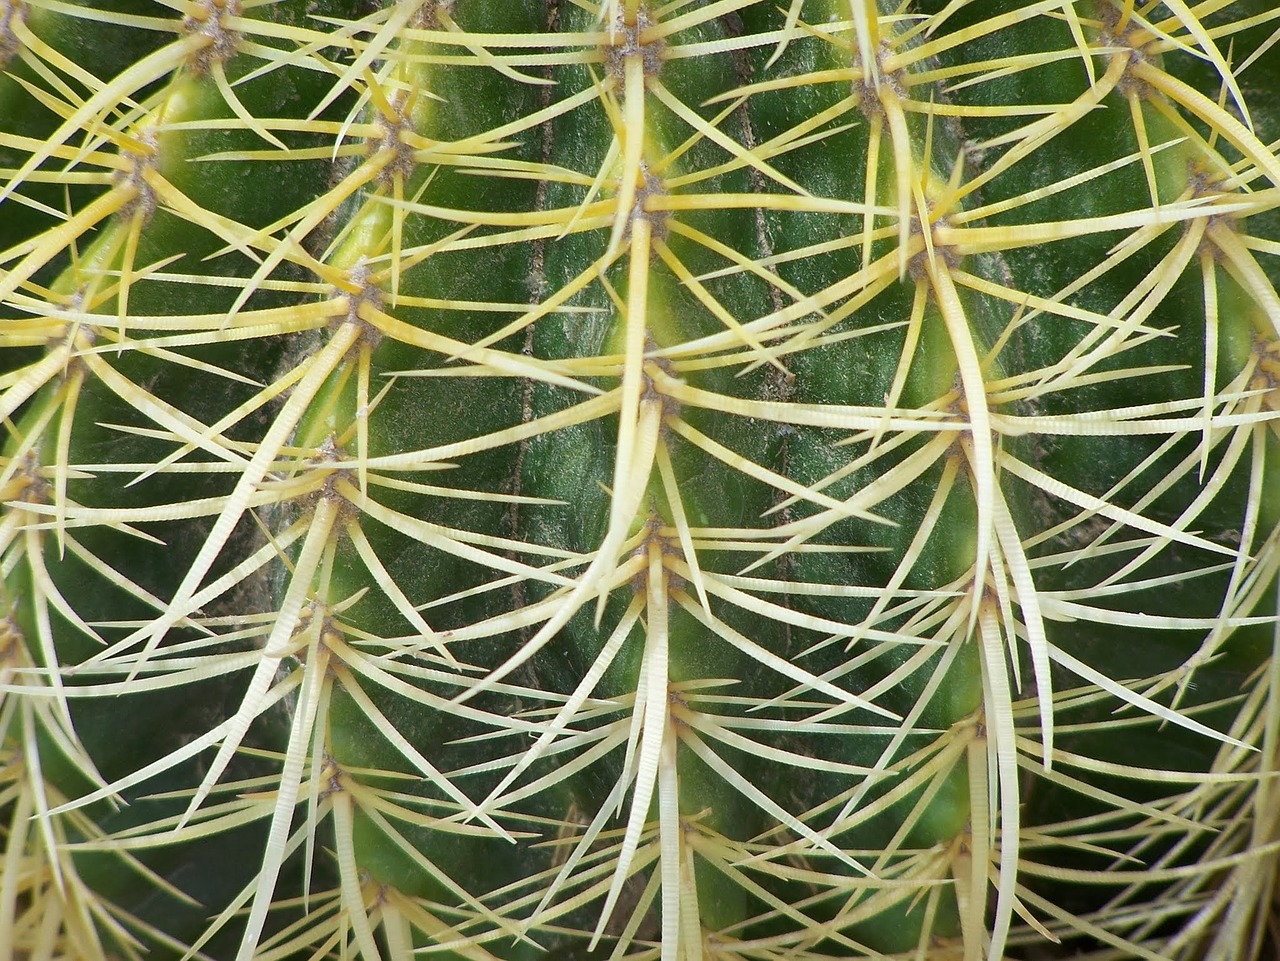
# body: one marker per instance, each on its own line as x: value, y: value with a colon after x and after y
x: 639, y: 480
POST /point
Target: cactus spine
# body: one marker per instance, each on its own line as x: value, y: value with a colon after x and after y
x: 506, y: 478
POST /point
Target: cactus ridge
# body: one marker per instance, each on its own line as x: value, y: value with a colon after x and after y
x: 639, y: 480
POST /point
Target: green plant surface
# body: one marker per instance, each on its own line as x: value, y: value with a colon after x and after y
x: 504, y: 479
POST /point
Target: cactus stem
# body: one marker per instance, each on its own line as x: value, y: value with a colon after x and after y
x: 855, y: 638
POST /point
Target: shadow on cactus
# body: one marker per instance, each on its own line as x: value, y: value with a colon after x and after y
x: 504, y: 479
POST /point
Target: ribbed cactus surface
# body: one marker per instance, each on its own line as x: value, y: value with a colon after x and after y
x: 665, y: 481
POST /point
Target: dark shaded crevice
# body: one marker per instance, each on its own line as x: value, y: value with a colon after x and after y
x: 537, y: 291
x: 780, y: 385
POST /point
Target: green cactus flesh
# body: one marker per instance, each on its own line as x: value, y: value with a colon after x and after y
x: 502, y: 479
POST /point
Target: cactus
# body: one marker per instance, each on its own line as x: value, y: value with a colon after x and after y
x: 503, y: 479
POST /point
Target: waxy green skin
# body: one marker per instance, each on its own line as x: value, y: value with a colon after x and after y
x: 565, y: 478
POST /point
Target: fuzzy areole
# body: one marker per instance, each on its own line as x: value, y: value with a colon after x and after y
x: 653, y: 481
